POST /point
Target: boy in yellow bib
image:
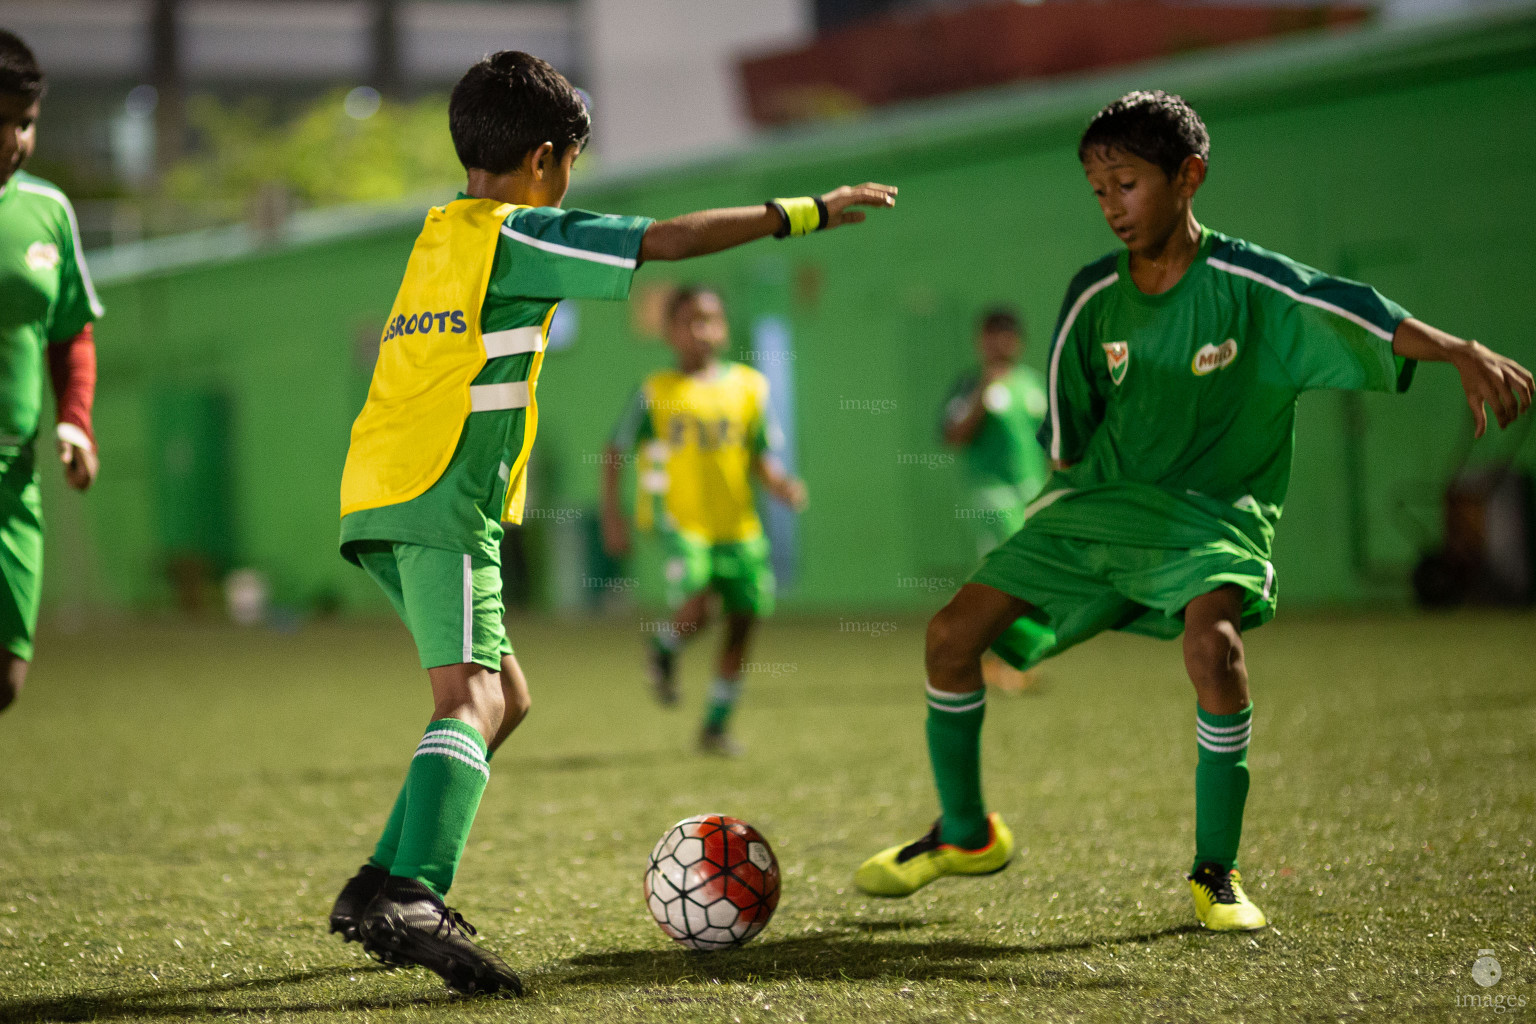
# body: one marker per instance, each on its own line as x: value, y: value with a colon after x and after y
x: 705, y: 429
x: 439, y: 459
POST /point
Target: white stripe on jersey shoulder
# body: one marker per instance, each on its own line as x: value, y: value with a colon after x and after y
x: 74, y: 230
x: 566, y: 250
x: 1269, y: 282
x: 1061, y: 337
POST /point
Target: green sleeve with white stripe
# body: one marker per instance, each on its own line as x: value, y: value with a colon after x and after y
x: 547, y: 253
x: 1076, y: 407
x: 76, y: 305
x: 1329, y: 332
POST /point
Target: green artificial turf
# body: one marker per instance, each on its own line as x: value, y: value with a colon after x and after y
x: 179, y: 805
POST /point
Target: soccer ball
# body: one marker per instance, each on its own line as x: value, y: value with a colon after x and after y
x: 713, y: 882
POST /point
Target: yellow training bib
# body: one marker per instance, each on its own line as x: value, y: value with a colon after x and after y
x: 431, y: 351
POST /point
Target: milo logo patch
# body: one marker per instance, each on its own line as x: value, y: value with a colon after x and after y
x: 1211, y: 358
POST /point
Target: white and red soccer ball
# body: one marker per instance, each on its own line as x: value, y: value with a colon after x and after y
x: 713, y: 882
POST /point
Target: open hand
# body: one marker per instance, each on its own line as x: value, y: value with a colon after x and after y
x: 839, y: 200
x: 1494, y: 380
x: 81, y: 464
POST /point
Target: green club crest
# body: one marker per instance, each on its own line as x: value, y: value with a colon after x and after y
x: 1117, y: 355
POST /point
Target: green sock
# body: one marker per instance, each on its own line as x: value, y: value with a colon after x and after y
x: 954, y: 748
x: 723, y: 694
x: 389, y: 839
x: 447, y: 776
x: 1221, y: 784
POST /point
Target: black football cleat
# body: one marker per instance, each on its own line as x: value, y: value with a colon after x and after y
x: 408, y: 922
x: 355, y: 896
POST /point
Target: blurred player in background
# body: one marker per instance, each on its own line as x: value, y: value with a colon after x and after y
x: 440, y: 451
x: 47, y: 306
x: 1174, y: 375
x: 992, y: 416
x: 705, y: 429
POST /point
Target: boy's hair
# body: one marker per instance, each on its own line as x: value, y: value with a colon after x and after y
x: 19, y: 73
x: 1000, y: 318
x: 686, y: 294
x: 1156, y: 126
x: 508, y: 105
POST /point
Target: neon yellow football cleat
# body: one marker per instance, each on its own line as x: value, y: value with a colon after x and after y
x: 902, y: 870
x: 1220, y: 903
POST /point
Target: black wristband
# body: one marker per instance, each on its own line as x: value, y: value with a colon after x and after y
x: 783, y: 231
x: 821, y: 208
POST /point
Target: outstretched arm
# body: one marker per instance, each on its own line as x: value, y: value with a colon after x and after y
x: 788, y: 489
x: 1487, y: 377
x: 707, y: 231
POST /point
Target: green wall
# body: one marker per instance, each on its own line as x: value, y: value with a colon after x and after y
x: 1403, y: 157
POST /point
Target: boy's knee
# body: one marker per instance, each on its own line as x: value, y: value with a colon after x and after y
x: 13, y: 673
x: 950, y: 639
x: 518, y: 704
x: 1214, y: 654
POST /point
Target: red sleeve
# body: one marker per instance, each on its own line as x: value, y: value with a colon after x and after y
x: 72, y: 365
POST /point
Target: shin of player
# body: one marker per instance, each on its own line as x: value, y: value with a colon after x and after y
x: 704, y: 429
x: 439, y: 455
x: 1187, y: 340
x: 45, y: 273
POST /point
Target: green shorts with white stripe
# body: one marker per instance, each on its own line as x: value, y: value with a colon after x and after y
x: 1085, y: 587
x: 450, y: 601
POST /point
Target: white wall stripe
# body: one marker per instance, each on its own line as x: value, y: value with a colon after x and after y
x: 491, y: 397
x: 454, y: 739
x: 515, y: 342
x: 566, y: 250
x: 1254, y: 275
x: 445, y: 752
x: 74, y: 231
x: 469, y: 612
x: 1061, y: 337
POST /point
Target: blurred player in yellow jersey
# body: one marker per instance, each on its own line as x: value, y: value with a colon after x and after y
x: 704, y: 429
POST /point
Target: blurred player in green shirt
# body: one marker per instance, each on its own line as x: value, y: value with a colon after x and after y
x: 439, y: 457
x: 993, y: 415
x: 1173, y: 379
x: 47, y: 306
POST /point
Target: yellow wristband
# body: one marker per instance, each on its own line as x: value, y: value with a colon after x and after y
x: 804, y: 214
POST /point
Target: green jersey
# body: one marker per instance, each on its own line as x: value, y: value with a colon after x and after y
x: 45, y: 295
x: 1004, y: 452
x: 542, y: 256
x: 1176, y: 412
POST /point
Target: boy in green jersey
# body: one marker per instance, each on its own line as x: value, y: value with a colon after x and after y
x: 49, y: 306
x: 439, y: 454
x: 1173, y: 379
x: 993, y: 415
x: 707, y: 428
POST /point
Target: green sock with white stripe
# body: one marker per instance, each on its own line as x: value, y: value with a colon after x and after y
x: 443, y: 788
x: 954, y: 749
x: 723, y: 695
x: 389, y: 839
x: 1221, y: 784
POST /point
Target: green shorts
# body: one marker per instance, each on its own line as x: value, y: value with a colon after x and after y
x: 21, y: 551
x: 1084, y: 587
x: 739, y: 572
x: 996, y: 513
x: 450, y: 601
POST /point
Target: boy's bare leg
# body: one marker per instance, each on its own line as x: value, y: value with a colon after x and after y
x: 691, y: 617
x: 1213, y: 650
x: 13, y: 673
x: 470, y: 693
x: 1213, y: 655
x: 962, y: 630
x: 725, y: 691
x: 515, y: 700
x: 686, y: 623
